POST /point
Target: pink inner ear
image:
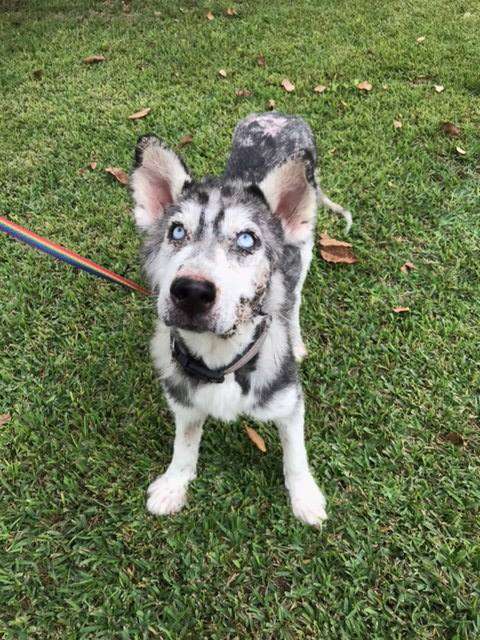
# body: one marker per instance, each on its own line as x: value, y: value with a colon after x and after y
x: 157, y: 192
x: 288, y: 203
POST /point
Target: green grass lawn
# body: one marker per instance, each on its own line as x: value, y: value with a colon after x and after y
x: 392, y: 411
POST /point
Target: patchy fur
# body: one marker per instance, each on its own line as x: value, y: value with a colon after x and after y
x: 194, y: 230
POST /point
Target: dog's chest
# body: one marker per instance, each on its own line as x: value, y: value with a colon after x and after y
x: 222, y: 401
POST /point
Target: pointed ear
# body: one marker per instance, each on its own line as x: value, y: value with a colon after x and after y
x: 156, y: 181
x: 291, y: 197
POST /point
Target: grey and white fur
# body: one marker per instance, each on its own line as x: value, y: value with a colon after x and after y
x: 221, y: 254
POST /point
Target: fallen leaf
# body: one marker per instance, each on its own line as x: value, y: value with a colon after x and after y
x: 336, y: 251
x: 439, y: 88
x: 287, y: 85
x: 94, y: 59
x: 231, y: 11
x: 231, y: 579
x: 408, y: 266
x: 222, y: 73
x: 397, y: 124
x: 364, y: 86
x: 209, y: 16
x: 184, y: 140
x: 450, y: 129
x: 385, y: 86
x: 119, y: 174
x: 420, y: 39
x: 261, y: 60
x: 460, y: 151
x: 93, y: 165
x: 157, y: 13
x: 320, y: 88
x: 4, y: 418
x: 140, y: 114
x: 243, y: 93
x: 271, y: 104
x: 401, y: 309
x: 454, y: 438
x: 37, y: 74
x: 257, y: 440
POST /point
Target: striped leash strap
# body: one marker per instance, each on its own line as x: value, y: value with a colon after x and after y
x: 65, y: 255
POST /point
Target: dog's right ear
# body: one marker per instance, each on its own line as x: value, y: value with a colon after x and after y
x: 156, y: 181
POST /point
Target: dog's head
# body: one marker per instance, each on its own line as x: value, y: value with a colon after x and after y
x: 211, y: 246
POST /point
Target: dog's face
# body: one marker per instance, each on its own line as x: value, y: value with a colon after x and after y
x: 211, y: 246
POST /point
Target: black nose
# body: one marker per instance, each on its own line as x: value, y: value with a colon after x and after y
x: 192, y: 296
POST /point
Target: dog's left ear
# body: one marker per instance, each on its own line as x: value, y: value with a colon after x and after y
x: 291, y: 197
x: 157, y: 180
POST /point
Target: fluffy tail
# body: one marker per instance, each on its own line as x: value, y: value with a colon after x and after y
x: 333, y: 206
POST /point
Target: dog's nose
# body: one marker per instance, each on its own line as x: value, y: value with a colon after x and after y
x: 192, y: 296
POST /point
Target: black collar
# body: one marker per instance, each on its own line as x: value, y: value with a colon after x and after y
x: 196, y: 368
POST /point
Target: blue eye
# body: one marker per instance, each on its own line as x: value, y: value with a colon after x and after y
x: 245, y: 240
x: 177, y: 232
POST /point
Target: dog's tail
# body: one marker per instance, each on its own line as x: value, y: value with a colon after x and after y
x: 325, y: 201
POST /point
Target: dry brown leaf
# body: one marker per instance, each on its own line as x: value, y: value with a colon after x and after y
x: 243, y: 93
x: 271, y: 104
x: 408, y: 266
x: 94, y: 59
x: 4, y: 418
x: 320, y: 88
x: 184, y: 140
x: 287, y: 85
x: 119, y: 174
x: 222, y: 73
x: 209, y: 16
x: 231, y: 579
x: 140, y: 114
x: 257, y: 440
x: 397, y: 124
x: 460, y: 151
x: 450, y: 129
x: 454, y: 438
x: 336, y: 251
x: 364, y: 86
x: 421, y: 39
x: 439, y: 88
x: 400, y: 309
x: 231, y: 11
x: 93, y: 165
x: 261, y: 60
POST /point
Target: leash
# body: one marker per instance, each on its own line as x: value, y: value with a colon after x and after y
x: 23, y: 234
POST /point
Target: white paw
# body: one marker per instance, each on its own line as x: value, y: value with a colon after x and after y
x: 308, y: 502
x: 166, y: 495
x: 299, y: 351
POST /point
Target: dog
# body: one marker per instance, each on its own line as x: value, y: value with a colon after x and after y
x: 227, y: 258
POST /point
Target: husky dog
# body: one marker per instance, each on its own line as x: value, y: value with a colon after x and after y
x: 227, y: 258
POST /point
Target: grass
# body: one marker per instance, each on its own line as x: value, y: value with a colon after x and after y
x: 400, y: 554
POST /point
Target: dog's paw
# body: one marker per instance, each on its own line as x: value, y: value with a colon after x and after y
x: 308, y: 502
x: 300, y: 351
x: 166, y: 495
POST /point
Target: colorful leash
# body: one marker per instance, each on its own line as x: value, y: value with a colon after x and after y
x: 65, y: 255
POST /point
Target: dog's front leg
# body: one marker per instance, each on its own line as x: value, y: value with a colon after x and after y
x: 168, y: 493
x: 308, y: 502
